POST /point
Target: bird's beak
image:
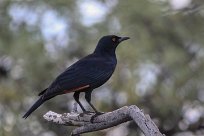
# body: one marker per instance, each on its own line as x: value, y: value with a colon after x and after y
x: 123, y: 39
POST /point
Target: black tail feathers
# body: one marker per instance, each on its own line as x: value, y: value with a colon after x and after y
x: 34, y: 107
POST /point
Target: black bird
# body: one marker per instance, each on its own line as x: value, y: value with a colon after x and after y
x: 85, y: 75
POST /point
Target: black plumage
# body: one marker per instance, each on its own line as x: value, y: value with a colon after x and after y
x: 85, y: 75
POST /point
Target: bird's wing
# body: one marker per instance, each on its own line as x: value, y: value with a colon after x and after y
x: 87, y: 73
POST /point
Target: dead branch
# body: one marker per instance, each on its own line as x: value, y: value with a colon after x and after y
x: 86, y: 124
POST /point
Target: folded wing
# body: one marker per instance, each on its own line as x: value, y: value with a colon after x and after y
x: 85, y: 74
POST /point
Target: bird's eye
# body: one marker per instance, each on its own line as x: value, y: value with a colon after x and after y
x: 113, y: 39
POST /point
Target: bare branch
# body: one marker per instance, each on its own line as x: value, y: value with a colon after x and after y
x: 86, y: 124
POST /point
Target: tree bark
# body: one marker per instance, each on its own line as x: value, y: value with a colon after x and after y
x: 88, y: 122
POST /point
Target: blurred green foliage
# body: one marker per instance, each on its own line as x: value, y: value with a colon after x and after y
x: 160, y: 69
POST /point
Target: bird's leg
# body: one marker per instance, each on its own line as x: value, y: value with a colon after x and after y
x: 76, y: 97
x: 88, y: 99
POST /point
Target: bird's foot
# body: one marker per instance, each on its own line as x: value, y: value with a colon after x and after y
x: 96, y: 114
x: 86, y: 112
x: 99, y: 113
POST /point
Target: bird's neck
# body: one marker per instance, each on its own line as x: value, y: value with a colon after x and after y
x: 106, y: 53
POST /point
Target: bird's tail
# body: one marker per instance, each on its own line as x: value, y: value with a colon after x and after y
x: 34, y: 107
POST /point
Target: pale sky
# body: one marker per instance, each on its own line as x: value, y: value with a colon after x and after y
x: 92, y: 11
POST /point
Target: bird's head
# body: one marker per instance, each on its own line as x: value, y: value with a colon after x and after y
x: 109, y: 43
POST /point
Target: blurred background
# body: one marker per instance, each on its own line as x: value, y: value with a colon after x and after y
x: 160, y: 69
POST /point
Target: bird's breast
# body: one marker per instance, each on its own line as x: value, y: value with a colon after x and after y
x: 109, y: 64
